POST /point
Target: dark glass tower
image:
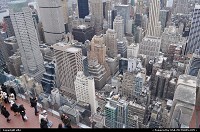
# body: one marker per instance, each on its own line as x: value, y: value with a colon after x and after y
x: 49, y: 79
x: 83, y: 8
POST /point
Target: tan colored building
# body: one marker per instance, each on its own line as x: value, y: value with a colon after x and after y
x: 99, y: 48
x: 69, y: 62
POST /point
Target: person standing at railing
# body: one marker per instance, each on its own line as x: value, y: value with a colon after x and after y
x: 33, y: 102
x: 44, y: 115
x: 67, y: 122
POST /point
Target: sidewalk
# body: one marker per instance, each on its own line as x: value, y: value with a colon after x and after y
x: 33, y: 121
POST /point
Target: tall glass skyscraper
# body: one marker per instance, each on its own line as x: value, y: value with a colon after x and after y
x: 83, y: 8
x: 193, y: 39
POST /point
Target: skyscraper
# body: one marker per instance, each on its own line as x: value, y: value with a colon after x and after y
x: 27, y: 39
x: 150, y: 46
x: 85, y: 90
x: 153, y: 27
x: 108, y: 7
x: 194, y: 65
x: 51, y: 13
x: 183, y: 105
x: 2, y: 51
x: 169, y: 36
x: 140, y: 6
x: 181, y: 7
x: 8, y: 26
x: 97, y: 65
x: 164, y: 14
x: 83, y: 8
x: 118, y: 26
x: 97, y: 12
x: 99, y: 48
x: 111, y: 43
x: 65, y: 13
x: 124, y: 11
x: 69, y: 62
x: 49, y: 77
x: 116, y: 112
x: 194, y: 38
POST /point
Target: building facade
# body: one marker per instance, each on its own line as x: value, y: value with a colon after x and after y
x: 68, y: 61
x: 193, y: 39
x: 111, y: 43
x: 118, y: 26
x: 153, y: 26
x: 96, y: 8
x: 8, y: 26
x: 51, y: 13
x: 85, y: 90
x: 150, y: 46
x: 13, y: 64
x: 27, y: 39
x: 83, y: 8
x: 132, y: 50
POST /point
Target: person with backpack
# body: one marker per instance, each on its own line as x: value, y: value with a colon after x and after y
x: 33, y: 102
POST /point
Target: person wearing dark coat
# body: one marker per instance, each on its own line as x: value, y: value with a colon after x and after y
x: 4, y: 88
x: 43, y: 123
x: 33, y: 102
x: 22, y: 111
x: 15, y: 109
x: 5, y: 113
x: 12, y: 90
x: 60, y: 125
x: 67, y: 122
x: 62, y: 117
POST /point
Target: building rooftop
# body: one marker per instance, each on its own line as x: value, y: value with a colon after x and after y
x: 81, y: 27
x: 164, y: 73
x: 110, y: 106
x: 185, y: 94
x: 73, y: 50
x: 197, y: 6
x: 136, y: 105
x: 187, y: 80
x: 14, y: 56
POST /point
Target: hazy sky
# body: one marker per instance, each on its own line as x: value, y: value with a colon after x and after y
x: 169, y: 3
